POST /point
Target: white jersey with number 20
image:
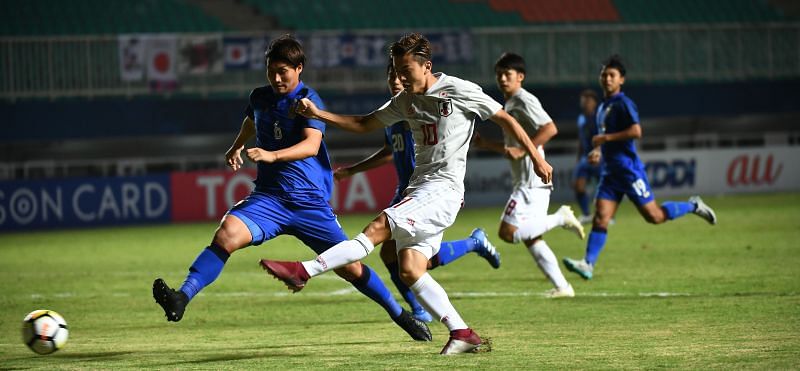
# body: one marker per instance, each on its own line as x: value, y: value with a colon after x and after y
x: 442, y: 122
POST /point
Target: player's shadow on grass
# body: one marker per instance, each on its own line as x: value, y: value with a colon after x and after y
x: 91, y: 356
x: 234, y: 357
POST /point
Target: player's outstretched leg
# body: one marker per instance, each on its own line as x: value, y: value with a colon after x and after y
x: 477, y: 242
x: 205, y: 269
x: 546, y: 260
x: 532, y: 229
x: 417, y: 311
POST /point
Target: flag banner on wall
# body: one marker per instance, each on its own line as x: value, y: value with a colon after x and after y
x: 161, y: 58
x: 236, y: 52
x: 131, y: 57
x: 200, y: 55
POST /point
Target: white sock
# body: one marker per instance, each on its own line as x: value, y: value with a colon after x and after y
x: 433, y: 297
x: 343, y: 253
x: 536, y: 227
x: 547, y: 262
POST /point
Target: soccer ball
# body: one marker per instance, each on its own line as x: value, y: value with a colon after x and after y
x: 44, y: 331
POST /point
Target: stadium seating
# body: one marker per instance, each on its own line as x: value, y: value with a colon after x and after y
x: 94, y: 17
x: 367, y: 14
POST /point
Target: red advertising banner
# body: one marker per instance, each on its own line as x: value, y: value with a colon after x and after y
x: 207, y: 195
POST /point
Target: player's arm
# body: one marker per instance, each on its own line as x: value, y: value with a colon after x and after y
x: 488, y: 144
x: 354, y: 123
x: 233, y: 156
x: 544, y: 134
x: 510, y: 125
x: 632, y: 132
x: 380, y: 157
x: 307, y: 147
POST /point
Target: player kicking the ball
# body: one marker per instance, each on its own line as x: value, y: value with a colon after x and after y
x: 622, y: 172
x: 399, y: 147
x: 441, y: 111
x: 525, y: 217
x: 292, y: 190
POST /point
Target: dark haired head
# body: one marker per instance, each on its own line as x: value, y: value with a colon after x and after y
x: 589, y: 93
x: 615, y: 62
x: 285, y: 49
x: 510, y: 61
x: 414, y: 44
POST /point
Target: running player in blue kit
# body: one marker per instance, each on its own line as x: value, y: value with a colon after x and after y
x: 399, y: 147
x: 291, y: 195
x: 622, y: 172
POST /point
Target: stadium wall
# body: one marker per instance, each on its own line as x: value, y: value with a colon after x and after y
x: 205, y: 196
x: 116, y: 118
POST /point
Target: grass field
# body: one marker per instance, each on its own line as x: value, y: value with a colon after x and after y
x: 680, y: 295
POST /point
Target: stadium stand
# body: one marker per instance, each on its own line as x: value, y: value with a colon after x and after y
x: 97, y: 17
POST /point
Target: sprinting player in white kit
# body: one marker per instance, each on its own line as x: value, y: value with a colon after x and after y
x: 441, y: 111
x: 525, y: 217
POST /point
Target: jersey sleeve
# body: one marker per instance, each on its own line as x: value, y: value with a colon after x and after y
x: 631, y: 112
x: 249, y: 111
x: 312, y: 123
x: 390, y: 112
x: 532, y: 109
x: 479, y: 102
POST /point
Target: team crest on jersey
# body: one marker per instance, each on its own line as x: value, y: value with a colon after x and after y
x: 445, y: 107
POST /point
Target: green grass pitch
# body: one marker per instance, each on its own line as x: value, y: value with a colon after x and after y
x: 680, y: 295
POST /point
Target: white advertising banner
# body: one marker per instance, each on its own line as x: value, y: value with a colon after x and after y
x: 671, y: 173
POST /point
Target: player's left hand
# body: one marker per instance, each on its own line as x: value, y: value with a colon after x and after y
x: 515, y: 153
x: 260, y: 155
x: 599, y: 139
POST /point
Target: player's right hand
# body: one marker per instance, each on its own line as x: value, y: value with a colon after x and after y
x: 233, y: 158
x: 594, y: 157
x: 544, y: 171
x: 306, y: 108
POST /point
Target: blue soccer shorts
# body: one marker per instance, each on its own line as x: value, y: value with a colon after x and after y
x: 312, y: 220
x: 615, y: 183
x: 584, y: 170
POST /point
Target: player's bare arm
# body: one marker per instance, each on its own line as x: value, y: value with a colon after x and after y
x: 305, y: 148
x: 380, y: 157
x: 632, y: 132
x: 540, y: 166
x: 233, y: 157
x: 358, y: 124
x: 544, y: 134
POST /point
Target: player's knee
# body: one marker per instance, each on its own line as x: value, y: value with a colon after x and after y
x: 228, y: 239
x: 601, y: 220
x: 653, y: 217
x: 409, y: 274
x: 506, y: 235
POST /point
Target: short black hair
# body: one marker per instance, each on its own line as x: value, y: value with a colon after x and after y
x: 285, y: 49
x: 591, y: 94
x: 615, y: 62
x: 510, y: 61
x: 415, y: 44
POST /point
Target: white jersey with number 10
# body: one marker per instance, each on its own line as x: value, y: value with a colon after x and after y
x: 442, y: 122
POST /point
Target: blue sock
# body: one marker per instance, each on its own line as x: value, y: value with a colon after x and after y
x: 371, y: 285
x: 677, y: 209
x: 408, y: 295
x: 597, y: 240
x: 583, y: 202
x: 205, y: 269
x: 452, y: 250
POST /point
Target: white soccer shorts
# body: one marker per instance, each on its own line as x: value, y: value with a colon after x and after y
x: 526, y: 203
x: 419, y: 220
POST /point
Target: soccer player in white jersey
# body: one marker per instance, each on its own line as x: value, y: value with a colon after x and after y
x: 525, y: 217
x: 441, y: 111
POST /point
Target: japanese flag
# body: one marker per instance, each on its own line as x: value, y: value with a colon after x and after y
x: 161, y: 58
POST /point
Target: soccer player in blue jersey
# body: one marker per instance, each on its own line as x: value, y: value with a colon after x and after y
x: 291, y: 195
x: 622, y: 172
x: 399, y: 147
x: 585, y: 172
